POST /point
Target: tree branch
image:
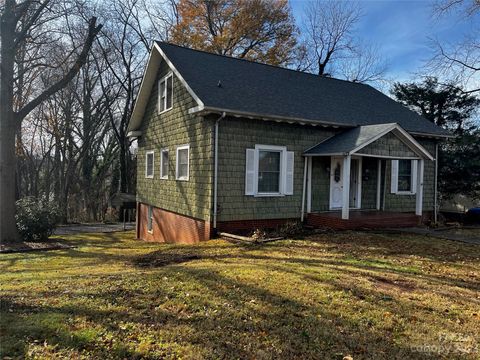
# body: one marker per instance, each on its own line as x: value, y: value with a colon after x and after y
x: 93, y: 30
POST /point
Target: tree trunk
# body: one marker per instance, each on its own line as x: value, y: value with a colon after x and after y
x: 8, y: 126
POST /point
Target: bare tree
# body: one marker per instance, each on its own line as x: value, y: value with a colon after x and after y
x: 460, y: 61
x: 329, y: 28
x: 364, y: 65
x: 18, y: 23
x: 332, y: 49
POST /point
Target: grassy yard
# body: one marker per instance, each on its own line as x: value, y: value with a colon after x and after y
x: 358, y: 294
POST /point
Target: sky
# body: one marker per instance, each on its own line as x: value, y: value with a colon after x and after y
x: 401, y: 29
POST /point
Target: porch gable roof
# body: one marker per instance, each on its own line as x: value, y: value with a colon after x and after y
x: 353, y: 140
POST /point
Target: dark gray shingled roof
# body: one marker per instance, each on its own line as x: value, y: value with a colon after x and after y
x: 267, y: 90
x: 348, y: 140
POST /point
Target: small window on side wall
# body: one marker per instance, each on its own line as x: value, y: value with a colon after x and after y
x: 404, y: 177
x: 150, y: 219
x: 149, y: 161
x: 183, y: 160
x: 164, y: 164
x: 165, y: 93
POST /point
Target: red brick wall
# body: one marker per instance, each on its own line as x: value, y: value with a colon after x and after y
x: 170, y: 227
x: 245, y: 225
x: 325, y: 221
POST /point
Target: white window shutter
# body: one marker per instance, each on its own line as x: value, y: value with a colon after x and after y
x: 289, y: 173
x: 414, y: 176
x: 250, y: 172
x: 394, y: 177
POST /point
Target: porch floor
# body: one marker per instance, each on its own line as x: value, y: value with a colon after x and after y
x: 362, y: 219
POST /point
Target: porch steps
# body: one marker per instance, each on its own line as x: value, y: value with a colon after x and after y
x: 363, y: 220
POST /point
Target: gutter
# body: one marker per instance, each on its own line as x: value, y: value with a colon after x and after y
x: 435, y: 205
x: 203, y: 110
x: 215, y: 171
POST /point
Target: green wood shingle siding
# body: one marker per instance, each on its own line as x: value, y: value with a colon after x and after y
x: 171, y: 129
x: 235, y: 136
x: 369, y: 183
x: 388, y: 145
x: 395, y: 202
x: 320, y: 183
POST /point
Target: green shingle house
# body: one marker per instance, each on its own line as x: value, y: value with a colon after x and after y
x: 226, y: 144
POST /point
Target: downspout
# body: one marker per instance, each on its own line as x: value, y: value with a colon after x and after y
x: 215, y: 172
x: 435, y: 210
x: 304, y: 189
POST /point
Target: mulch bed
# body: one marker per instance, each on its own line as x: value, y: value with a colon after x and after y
x: 27, y: 246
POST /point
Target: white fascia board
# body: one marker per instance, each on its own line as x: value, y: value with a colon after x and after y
x: 179, y: 76
x: 413, y: 144
x: 148, y: 80
x: 406, y: 138
x: 134, y: 134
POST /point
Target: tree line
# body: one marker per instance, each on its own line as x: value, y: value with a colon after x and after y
x: 71, y: 69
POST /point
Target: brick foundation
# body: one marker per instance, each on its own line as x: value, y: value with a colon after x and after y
x: 250, y: 225
x: 171, y: 227
x: 362, y: 220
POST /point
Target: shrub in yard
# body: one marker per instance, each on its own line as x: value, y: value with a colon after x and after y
x: 259, y: 234
x: 291, y: 229
x: 36, y: 218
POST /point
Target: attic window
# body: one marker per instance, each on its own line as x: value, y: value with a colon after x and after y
x: 165, y: 99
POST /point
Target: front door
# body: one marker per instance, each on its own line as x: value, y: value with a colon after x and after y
x: 336, y: 183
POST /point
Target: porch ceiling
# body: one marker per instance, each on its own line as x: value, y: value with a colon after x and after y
x: 350, y: 142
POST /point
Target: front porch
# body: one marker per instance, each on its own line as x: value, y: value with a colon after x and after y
x: 367, y: 177
x: 362, y: 219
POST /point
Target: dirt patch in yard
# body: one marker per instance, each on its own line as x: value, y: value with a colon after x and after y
x: 159, y: 259
x: 390, y: 284
x: 28, y: 246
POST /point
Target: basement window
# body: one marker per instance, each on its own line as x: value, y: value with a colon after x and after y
x: 150, y: 219
x: 165, y: 93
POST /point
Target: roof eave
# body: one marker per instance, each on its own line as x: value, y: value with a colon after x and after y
x: 204, y: 110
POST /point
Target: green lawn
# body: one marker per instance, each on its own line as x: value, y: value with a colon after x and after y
x: 358, y: 294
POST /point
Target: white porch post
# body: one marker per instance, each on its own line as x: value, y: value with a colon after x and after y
x: 304, y: 188
x: 346, y: 187
x: 419, y: 196
x: 379, y: 182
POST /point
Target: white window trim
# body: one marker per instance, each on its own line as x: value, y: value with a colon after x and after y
x: 413, y: 178
x: 170, y: 74
x: 146, y: 164
x: 283, y: 160
x: 182, y: 147
x: 162, y: 175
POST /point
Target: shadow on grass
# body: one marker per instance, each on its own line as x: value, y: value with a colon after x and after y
x: 181, y: 298
x: 228, y: 319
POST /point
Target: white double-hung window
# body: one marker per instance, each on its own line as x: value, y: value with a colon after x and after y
x: 164, y: 164
x: 165, y: 93
x: 183, y: 163
x: 269, y: 171
x: 149, y: 161
x: 404, y: 177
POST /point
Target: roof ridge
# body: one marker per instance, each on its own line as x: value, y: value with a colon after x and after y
x: 260, y: 63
